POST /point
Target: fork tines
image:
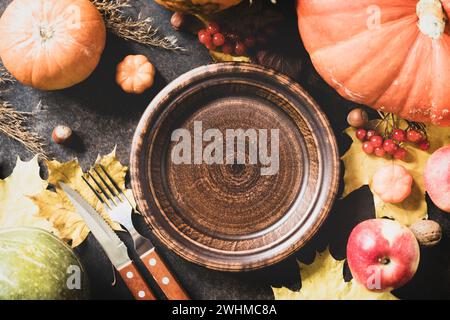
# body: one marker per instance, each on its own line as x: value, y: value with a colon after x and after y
x: 104, y: 186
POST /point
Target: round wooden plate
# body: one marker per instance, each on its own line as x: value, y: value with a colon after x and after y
x: 231, y: 216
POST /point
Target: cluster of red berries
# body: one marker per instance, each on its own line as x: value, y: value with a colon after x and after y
x: 214, y: 38
x: 374, y: 143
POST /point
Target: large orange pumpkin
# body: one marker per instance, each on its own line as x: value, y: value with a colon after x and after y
x: 51, y: 44
x: 393, y: 55
x: 198, y: 6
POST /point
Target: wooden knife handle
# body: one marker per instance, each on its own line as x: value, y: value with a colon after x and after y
x: 162, y: 275
x: 135, y: 283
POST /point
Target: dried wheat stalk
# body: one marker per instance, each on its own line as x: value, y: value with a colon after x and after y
x: 14, y: 125
x: 5, y: 76
x: 139, y: 30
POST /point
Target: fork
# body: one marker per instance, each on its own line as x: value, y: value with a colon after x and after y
x: 120, y: 209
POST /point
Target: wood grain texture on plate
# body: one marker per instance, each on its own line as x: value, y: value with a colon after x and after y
x: 230, y: 216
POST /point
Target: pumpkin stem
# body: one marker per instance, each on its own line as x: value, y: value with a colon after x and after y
x: 46, y: 33
x: 432, y: 18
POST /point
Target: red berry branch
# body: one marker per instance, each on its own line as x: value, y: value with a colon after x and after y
x: 213, y: 37
x: 392, y: 140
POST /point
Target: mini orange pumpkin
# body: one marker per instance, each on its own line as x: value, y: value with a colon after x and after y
x: 51, y: 44
x: 135, y: 74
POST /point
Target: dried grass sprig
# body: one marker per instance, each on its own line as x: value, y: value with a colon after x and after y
x: 139, y: 30
x: 5, y: 76
x: 14, y: 125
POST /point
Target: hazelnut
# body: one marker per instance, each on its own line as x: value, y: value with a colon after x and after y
x: 178, y: 20
x: 428, y: 232
x: 62, y: 134
x: 357, y: 118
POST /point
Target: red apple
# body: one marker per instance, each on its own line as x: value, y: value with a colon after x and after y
x: 382, y: 254
x: 437, y: 178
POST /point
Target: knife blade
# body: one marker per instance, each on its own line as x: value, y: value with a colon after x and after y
x: 123, y: 215
x: 114, y: 248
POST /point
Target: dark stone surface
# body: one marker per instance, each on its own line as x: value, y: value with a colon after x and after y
x: 103, y: 117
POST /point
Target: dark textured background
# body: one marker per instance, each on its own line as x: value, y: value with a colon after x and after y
x: 103, y: 117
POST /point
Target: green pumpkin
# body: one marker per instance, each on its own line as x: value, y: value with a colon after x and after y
x: 36, y: 265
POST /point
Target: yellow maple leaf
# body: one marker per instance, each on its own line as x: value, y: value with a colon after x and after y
x: 323, y: 280
x: 223, y: 57
x: 16, y: 208
x: 361, y: 167
x: 57, y: 208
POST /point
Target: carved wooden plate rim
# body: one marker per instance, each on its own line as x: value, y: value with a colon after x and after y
x: 200, y: 253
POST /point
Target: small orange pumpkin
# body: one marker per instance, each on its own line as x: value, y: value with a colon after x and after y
x: 51, y: 44
x: 135, y: 74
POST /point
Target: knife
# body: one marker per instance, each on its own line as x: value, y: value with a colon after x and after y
x: 120, y: 209
x: 114, y: 248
